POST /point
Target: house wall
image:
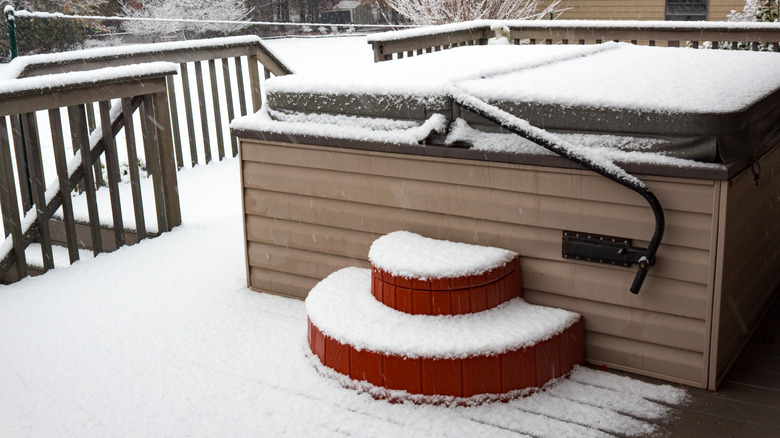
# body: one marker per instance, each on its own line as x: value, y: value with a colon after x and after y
x: 311, y: 210
x: 636, y: 9
x: 749, y: 258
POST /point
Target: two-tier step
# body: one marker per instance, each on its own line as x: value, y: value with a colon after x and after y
x: 434, y: 317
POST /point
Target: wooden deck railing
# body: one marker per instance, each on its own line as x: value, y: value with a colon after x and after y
x: 753, y: 36
x: 247, y: 55
x: 205, y: 96
x: 144, y: 90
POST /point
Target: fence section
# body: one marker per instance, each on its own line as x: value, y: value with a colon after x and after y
x: 218, y: 79
x: 29, y: 198
x: 752, y: 36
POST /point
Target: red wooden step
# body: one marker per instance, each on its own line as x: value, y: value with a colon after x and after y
x: 448, y: 296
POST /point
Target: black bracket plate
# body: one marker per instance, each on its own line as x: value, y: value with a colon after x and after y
x: 599, y: 248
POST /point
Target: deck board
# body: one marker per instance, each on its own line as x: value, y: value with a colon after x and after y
x: 747, y: 403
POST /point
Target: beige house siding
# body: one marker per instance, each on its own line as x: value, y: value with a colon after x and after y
x: 749, y: 258
x: 312, y: 210
x: 636, y: 9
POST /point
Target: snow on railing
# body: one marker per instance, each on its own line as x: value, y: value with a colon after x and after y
x: 410, y: 42
x: 28, y: 208
x: 219, y: 79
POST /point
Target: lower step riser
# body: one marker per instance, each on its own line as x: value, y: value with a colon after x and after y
x: 516, y: 370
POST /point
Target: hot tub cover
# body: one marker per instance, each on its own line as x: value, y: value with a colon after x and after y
x: 690, y: 103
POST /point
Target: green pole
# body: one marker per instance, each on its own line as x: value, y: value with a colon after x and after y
x: 10, y: 22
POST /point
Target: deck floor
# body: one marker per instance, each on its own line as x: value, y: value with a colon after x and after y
x: 747, y: 403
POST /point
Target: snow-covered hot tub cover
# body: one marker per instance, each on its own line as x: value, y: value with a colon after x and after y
x: 637, y: 104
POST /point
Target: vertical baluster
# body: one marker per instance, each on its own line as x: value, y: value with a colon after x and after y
x: 132, y: 163
x: 229, y: 100
x: 9, y: 205
x: 175, y: 121
x: 112, y: 170
x: 157, y: 141
x: 80, y: 136
x: 754, y: 46
x: 38, y: 183
x: 215, y: 105
x: 734, y: 45
x: 98, y: 163
x: 241, y: 90
x: 185, y: 85
x: 55, y: 122
x: 170, y: 185
x: 22, y: 168
x: 204, y: 122
x: 254, y: 83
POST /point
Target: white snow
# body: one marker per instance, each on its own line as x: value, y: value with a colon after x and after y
x: 617, y: 75
x: 427, y: 75
x: 618, y: 148
x: 48, y: 82
x: 563, y: 24
x: 342, y: 307
x: 661, y: 79
x: 409, y: 255
x: 312, y: 55
x: 341, y: 126
x: 164, y: 338
x: 16, y: 66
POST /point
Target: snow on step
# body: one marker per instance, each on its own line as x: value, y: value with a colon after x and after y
x: 409, y: 255
x: 511, y: 347
x: 422, y: 276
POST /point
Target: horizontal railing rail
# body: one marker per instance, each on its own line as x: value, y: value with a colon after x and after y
x: 217, y: 80
x: 752, y: 36
x: 243, y: 62
x: 29, y: 200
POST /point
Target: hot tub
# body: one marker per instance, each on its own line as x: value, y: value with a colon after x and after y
x: 333, y: 162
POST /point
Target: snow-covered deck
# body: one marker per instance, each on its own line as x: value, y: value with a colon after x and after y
x: 165, y: 339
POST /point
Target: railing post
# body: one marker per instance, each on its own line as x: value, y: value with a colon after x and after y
x: 157, y: 125
x: 9, y: 206
x: 10, y: 22
x: 254, y: 83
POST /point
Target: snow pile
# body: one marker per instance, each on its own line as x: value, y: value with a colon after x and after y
x: 618, y: 148
x: 409, y: 255
x: 377, y: 327
x: 660, y: 79
x: 629, y: 25
x: 428, y: 75
x: 165, y: 339
x: 102, y: 75
x: 18, y: 65
x: 341, y: 126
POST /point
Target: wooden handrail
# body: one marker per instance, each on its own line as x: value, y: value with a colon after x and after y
x: 142, y: 87
x: 396, y: 44
x: 178, y: 52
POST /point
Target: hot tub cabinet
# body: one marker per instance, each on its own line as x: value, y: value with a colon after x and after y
x: 314, y: 203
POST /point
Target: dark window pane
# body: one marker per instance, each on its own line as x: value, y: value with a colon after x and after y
x: 686, y: 10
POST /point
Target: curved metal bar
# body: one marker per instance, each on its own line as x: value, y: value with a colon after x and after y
x: 645, y: 261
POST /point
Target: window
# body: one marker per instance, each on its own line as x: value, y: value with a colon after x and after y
x: 686, y: 10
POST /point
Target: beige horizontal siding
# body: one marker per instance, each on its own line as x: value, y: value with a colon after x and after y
x: 612, y: 10
x: 636, y: 9
x: 649, y: 359
x: 751, y: 256
x: 310, y: 211
x: 540, y: 240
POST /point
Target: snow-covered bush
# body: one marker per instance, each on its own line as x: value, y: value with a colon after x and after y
x: 210, y: 12
x: 44, y: 35
x: 755, y: 10
x: 431, y: 12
